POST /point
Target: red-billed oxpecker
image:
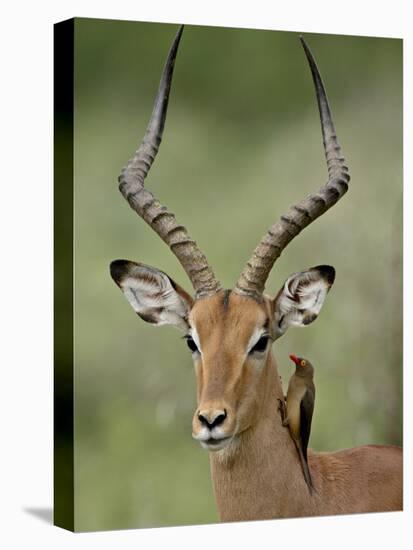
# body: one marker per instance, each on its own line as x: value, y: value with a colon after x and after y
x: 299, y: 409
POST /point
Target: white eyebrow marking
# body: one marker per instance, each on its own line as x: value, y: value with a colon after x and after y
x: 194, y: 334
x: 256, y: 335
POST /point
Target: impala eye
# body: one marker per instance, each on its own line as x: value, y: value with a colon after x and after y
x: 190, y: 342
x: 261, y: 345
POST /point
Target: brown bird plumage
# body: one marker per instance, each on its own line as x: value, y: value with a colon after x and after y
x: 299, y: 409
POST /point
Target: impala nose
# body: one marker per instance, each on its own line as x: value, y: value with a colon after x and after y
x: 212, y: 418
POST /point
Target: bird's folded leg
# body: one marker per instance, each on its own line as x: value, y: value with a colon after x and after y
x: 283, y: 411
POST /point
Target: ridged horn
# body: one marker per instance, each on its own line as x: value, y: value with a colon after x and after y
x: 148, y: 207
x: 253, y: 278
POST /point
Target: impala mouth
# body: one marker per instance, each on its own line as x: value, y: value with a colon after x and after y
x: 212, y: 440
x: 213, y: 444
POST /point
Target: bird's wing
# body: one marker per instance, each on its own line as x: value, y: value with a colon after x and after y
x: 306, y: 415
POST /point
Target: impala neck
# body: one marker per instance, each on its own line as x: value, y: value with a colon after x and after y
x: 259, y: 476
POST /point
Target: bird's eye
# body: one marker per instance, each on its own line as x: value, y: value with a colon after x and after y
x: 303, y: 363
x: 261, y: 345
x: 190, y: 342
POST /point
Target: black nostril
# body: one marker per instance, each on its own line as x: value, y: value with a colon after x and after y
x: 219, y: 419
x: 203, y: 420
x: 216, y: 421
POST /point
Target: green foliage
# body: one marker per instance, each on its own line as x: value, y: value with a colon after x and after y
x: 242, y: 143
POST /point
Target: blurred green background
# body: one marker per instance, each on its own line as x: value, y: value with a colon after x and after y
x: 242, y: 143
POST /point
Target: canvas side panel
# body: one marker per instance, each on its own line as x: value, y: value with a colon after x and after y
x: 63, y: 275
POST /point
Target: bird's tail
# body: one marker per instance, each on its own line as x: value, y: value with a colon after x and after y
x: 306, y: 469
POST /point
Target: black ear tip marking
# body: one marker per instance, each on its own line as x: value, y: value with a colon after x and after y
x: 327, y: 272
x: 309, y: 319
x: 118, y: 269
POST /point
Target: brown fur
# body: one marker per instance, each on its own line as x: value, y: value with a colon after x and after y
x: 258, y: 475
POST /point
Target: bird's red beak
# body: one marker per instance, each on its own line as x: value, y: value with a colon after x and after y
x: 294, y: 358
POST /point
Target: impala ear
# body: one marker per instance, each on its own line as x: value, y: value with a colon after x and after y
x: 301, y: 298
x: 155, y: 297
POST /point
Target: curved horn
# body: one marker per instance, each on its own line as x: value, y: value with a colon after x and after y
x: 255, y: 274
x: 148, y: 207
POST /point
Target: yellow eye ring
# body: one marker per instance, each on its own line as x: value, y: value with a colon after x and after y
x: 303, y: 363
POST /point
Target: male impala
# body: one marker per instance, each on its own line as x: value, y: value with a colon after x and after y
x: 255, y: 467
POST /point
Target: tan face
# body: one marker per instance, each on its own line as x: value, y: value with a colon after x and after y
x: 231, y: 338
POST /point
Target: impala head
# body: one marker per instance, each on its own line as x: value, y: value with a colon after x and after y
x: 228, y: 332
